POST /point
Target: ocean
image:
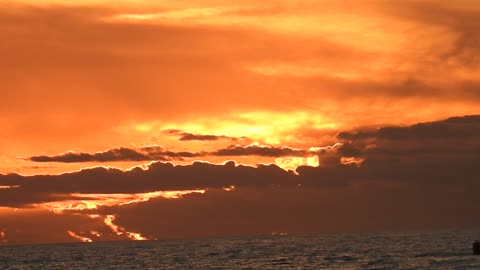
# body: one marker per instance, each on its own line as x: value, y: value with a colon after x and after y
x: 419, y: 250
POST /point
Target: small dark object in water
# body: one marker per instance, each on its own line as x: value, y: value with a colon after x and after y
x: 476, y: 248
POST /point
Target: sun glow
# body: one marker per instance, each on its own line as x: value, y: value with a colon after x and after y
x: 58, y: 208
x: 262, y: 126
x: 292, y: 163
x: 143, y: 127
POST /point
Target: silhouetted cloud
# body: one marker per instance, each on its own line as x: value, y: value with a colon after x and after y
x: 116, y: 154
x: 186, y: 136
x: 148, y: 153
x: 296, y: 210
x: 464, y: 127
x: 160, y: 176
x: 255, y: 150
x: 157, y: 153
x: 435, y: 153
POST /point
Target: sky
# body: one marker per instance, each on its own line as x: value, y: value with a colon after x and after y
x: 144, y: 120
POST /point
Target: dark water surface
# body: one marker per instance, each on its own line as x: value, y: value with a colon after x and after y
x: 433, y: 250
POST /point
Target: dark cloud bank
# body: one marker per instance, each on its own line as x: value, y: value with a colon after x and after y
x: 157, y: 153
x: 414, y: 177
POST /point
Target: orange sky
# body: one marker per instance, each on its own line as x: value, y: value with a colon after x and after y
x: 121, y: 84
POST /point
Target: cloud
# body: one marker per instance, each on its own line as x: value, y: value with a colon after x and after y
x: 159, y: 176
x: 265, y: 151
x: 157, y: 153
x: 246, y: 211
x: 442, y: 153
x: 186, y: 136
x: 453, y: 139
x: 116, y: 154
x: 465, y: 127
x: 148, y: 153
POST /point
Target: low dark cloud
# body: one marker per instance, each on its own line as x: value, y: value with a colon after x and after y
x: 157, y: 153
x: 148, y: 153
x: 422, y: 176
x: 442, y: 153
x: 159, y: 176
x: 116, y: 154
x: 264, y: 211
x: 465, y: 127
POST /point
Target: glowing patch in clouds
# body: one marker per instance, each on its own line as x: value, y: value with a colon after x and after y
x: 352, y: 160
x: 58, y: 208
x: 121, y: 231
x: 229, y: 188
x: 8, y: 187
x: 143, y: 197
x: 292, y: 163
x: 112, y: 199
x: 81, y: 238
x: 95, y: 233
x: 323, y: 148
x: 109, y: 222
x: 2, y: 237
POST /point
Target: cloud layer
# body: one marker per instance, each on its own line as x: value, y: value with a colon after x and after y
x: 151, y: 153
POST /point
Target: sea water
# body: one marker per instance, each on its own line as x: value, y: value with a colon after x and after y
x: 419, y: 250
